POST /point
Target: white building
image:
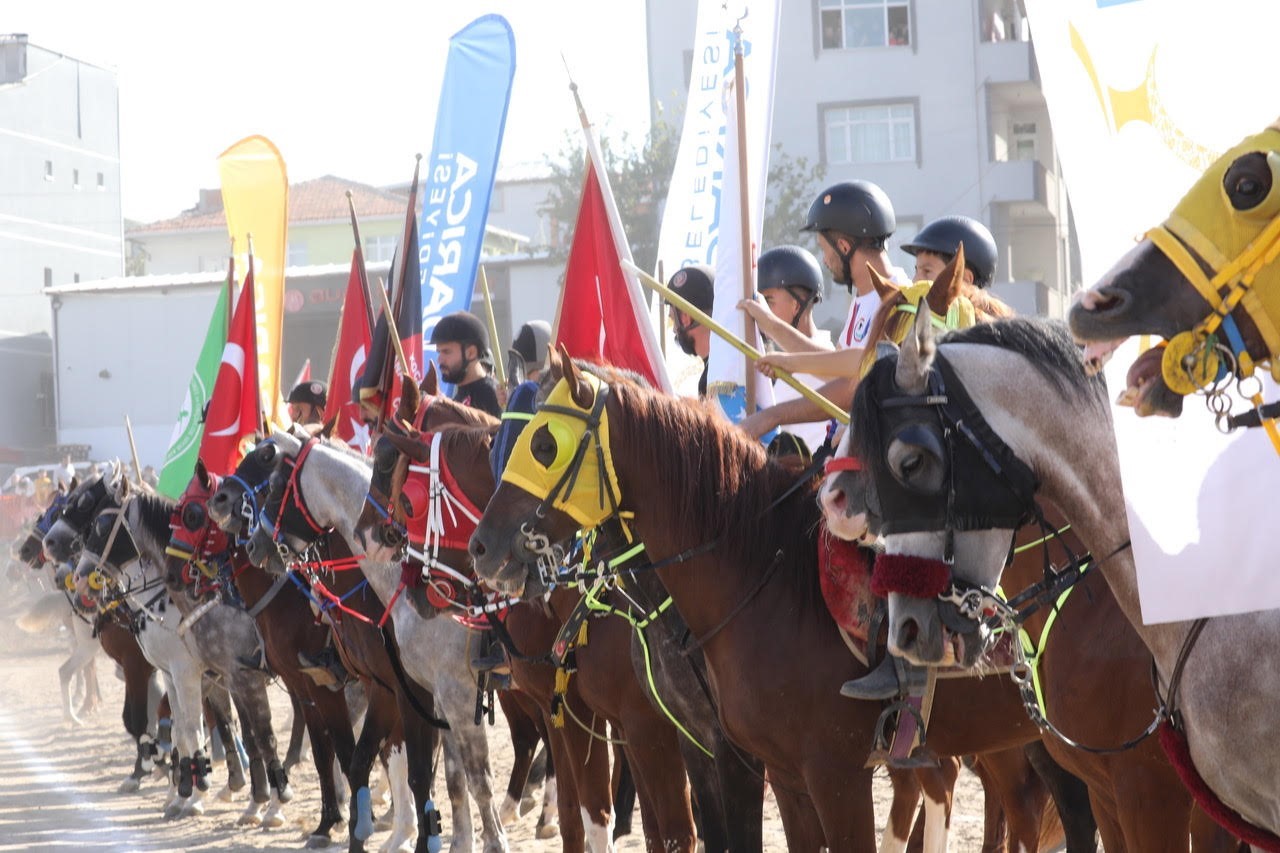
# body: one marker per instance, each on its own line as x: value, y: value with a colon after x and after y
x: 60, y: 218
x: 937, y: 101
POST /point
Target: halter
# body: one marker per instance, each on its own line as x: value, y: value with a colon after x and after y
x: 1196, y: 360
x: 292, y: 506
x: 194, y: 538
x: 46, y: 520
x: 562, y: 483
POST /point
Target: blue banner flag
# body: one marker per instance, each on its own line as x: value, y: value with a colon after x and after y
x: 464, y: 158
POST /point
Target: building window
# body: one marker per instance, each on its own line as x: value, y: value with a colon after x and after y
x: 865, y: 23
x: 297, y: 255
x: 1022, y: 140
x: 884, y: 133
x: 497, y: 200
x: 380, y: 248
x: 75, y: 178
x: 48, y: 277
x: 102, y: 181
x: 48, y: 170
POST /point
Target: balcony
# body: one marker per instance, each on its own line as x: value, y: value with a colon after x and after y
x: 1012, y: 181
x: 1006, y: 62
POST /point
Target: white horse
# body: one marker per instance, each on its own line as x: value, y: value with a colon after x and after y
x: 436, y: 650
x: 1027, y: 381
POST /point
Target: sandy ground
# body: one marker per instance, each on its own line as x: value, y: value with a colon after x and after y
x: 58, y: 782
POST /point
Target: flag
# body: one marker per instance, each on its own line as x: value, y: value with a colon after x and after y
x: 304, y: 375
x: 700, y: 224
x: 464, y: 158
x: 1143, y: 96
x: 255, y: 197
x: 349, y: 353
x: 184, y: 446
x: 235, y: 409
x: 598, y: 317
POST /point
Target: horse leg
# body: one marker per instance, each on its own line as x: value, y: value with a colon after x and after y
x: 404, y: 827
x: 902, y: 812
x: 420, y: 739
x: 707, y: 798
x: 741, y: 782
x: 323, y: 728
x: 217, y: 701
x: 378, y: 721
x: 624, y: 794
x: 185, y: 695
x: 938, y: 785
x: 455, y: 777
x: 1070, y: 797
x: 524, y: 743
x: 654, y: 755
x: 1146, y: 825
x: 455, y: 701
x: 255, y: 710
x: 572, y: 832
x: 995, y: 826
x: 802, y: 826
x: 1208, y: 837
x: 1023, y: 794
x: 297, y: 731
x: 75, y: 664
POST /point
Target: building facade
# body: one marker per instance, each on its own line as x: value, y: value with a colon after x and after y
x: 937, y: 101
x: 60, y: 217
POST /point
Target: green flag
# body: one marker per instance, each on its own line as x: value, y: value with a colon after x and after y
x: 184, y: 446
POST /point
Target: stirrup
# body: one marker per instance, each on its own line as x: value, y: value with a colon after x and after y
x: 881, y: 744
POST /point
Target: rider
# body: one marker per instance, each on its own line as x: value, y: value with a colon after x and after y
x: 528, y: 357
x: 697, y: 284
x: 462, y: 349
x: 307, y: 401
x: 789, y: 281
x: 853, y: 221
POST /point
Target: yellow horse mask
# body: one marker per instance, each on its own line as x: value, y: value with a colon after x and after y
x: 1241, y: 247
x: 960, y: 315
x: 580, y: 481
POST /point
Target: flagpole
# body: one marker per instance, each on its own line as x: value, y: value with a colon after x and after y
x: 398, y: 285
x: 133, y: 449
x: 662, y: 313
x: 619, y: 242
x: 744, y: 208
x: 498, y: 367
x: 363, y: 272
x: 737, y: 343
x: 394, y: 334
x: 257, y: 392
x: 231, y: 288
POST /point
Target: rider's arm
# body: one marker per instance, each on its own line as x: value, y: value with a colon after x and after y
x: 839, y: 391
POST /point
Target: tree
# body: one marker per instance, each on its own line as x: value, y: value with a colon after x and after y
x: 640, y: 177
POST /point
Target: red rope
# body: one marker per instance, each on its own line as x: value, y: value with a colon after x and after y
x: 324, y: 592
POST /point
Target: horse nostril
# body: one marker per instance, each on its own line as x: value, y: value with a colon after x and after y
x: 477, y: 547
x: 908, y: 633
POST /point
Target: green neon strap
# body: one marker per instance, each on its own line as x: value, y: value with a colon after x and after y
x: 517, y: 416
x: 938, y: 322
x: 1040, y: 541
x: 1033, y: 653
x: 594, y: 604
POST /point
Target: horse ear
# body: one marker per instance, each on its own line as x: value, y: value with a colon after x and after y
x: 578, y: 387
x: 415, y: 450
x: 202, y: 473
x: 883, y: 286
x: 288, y: 443
x: 948, y: 286
x: 886, y: 349
x: 410, y: 398
x: 557, y: 359
x: 912, y: 375
x: 430, y: 382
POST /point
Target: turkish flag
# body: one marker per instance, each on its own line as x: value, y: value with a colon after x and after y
x: 349, y: 354
x: 235, y: 407
x: 598, y: 320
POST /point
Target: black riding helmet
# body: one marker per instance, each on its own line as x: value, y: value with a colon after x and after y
x: 857, y: 210
x: 697, y: 284
x: 793, y: 269
x: 314, y: 392
x: 462, y: 328
x: 944, y: 235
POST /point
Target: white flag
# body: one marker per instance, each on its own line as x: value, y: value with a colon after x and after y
x: 1143, y: 96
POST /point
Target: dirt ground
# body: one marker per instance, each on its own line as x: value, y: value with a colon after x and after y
x: 58, y: 782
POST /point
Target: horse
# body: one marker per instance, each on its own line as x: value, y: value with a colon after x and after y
x: 1209, y: 269
x: 1019, y: 377
x: 392, y: 721
x: 129, y: 534
x: 286, y: 627
x: 436, y: 651
x: 730, y: 535
x: 603, y: 685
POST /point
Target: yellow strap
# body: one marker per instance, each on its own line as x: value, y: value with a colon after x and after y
x: 1033, y: 652
x: 1269, y: 424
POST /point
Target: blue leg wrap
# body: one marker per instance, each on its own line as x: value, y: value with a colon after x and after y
x: 364, y: 814
x: 216, y: 749
x: 240, y: 750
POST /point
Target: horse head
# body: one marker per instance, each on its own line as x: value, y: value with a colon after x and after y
x: 234, y: 504
x: 546, y: 493
x: 1207, y: 280
x: 194, y: 537
x: 63, y: 538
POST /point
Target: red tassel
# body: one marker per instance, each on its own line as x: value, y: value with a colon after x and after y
x: 916, y: 577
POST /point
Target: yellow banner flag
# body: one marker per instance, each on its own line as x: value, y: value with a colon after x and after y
x: 255, y: 196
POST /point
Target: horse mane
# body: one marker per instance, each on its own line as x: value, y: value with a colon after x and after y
x: 889, y: 324
x: 727, y: 485
x: 988, y: 306
x: 155, y: 511
x: 1047, y: 345
x: 470, y: 417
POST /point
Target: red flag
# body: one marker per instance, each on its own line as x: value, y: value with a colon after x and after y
x: 304, y: 375
x: 235, y: 408
x: 597, y: 319
x: 349, y: 354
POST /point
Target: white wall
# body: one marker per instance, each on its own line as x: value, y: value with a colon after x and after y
x: 147, y: 342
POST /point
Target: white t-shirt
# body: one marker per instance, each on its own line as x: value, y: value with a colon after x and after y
x: 862, y: 312
x: 813, y: 433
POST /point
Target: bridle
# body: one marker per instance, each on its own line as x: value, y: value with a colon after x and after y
x: 291, y: 507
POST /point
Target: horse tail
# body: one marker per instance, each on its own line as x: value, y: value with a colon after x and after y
x: 46, y: 612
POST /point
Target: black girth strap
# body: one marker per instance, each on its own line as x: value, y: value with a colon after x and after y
x: 394, y: 654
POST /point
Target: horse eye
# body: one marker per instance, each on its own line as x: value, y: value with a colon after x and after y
x: 1248, y: 181
x: 543, y: 447
x: 193, y: 516
x: 267, y: 453
x: 912, y: 465
x: 1247, y: 186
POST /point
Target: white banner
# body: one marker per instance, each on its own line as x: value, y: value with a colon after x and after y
x: 1143, y: 95
x: 701, y: 219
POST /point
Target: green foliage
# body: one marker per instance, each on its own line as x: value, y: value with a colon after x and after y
x: 640, y: 177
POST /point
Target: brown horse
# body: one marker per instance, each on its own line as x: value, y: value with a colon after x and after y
x: 751, y: 602
x: 604, y: 687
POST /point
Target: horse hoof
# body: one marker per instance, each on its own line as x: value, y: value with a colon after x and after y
x: 226, y: 795
x: 129, y: 786
x: 509, y: 811
x: 285, y: 794
x: 251, y: 816
x: 548, y: 830
x: 193, y: 809
x: 318, y: 842
x: 172, y: 811
x: 273, y: 819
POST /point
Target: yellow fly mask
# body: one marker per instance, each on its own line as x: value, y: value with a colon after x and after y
x: 960, y: 315
x: 1238, y: 237
x: 580, y: 481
